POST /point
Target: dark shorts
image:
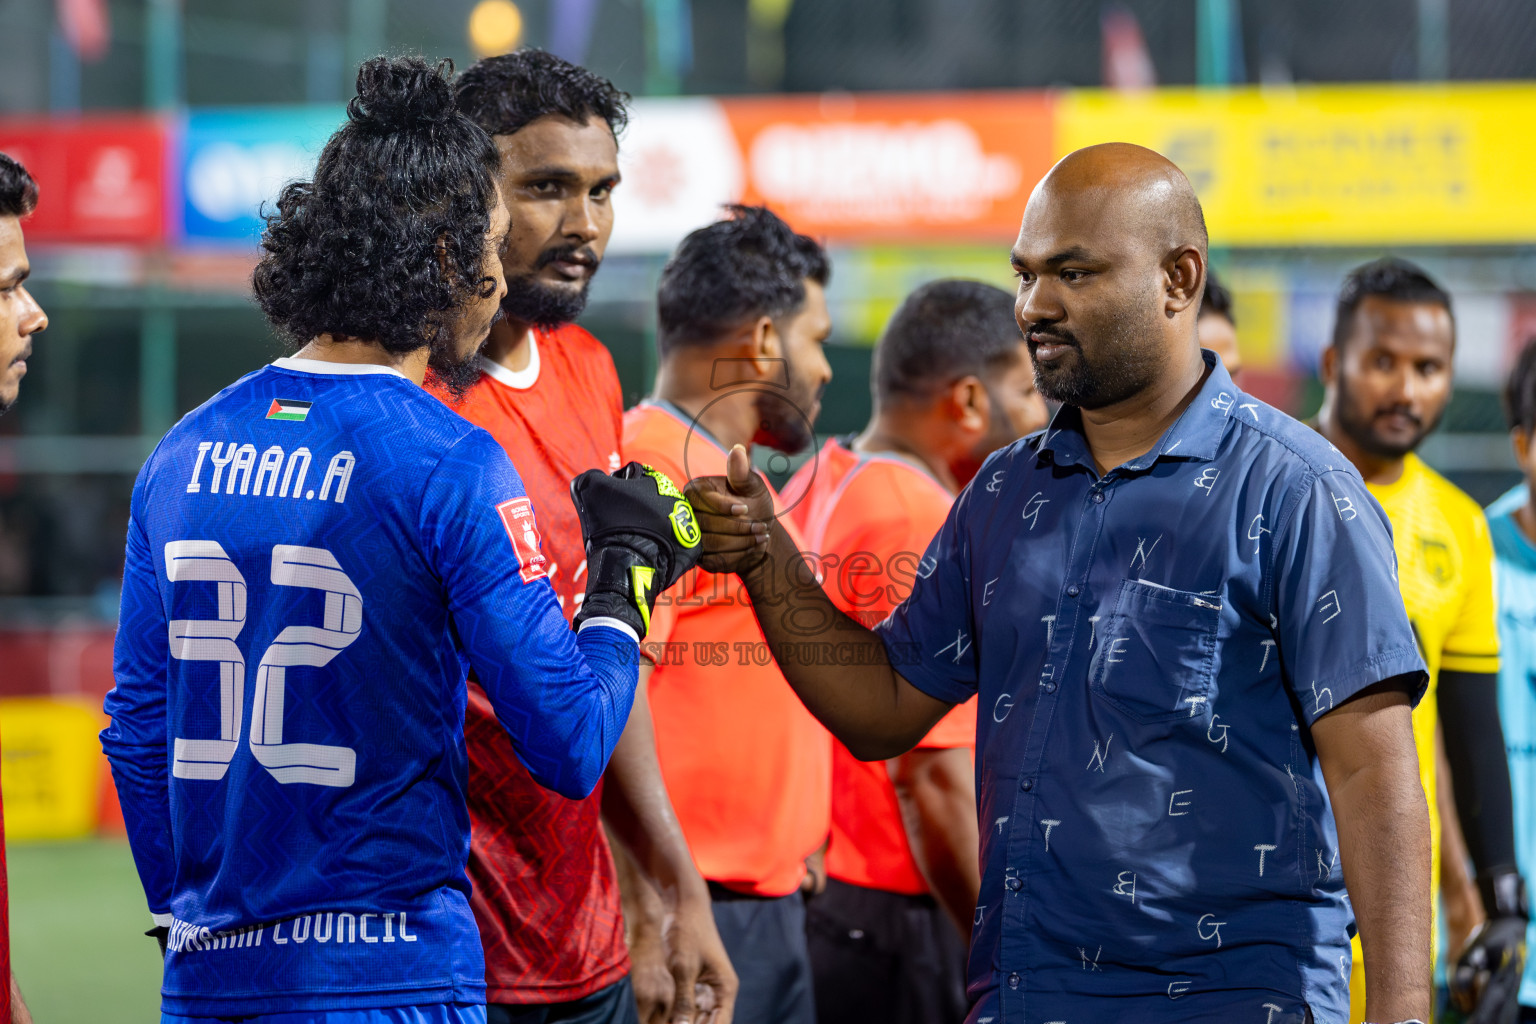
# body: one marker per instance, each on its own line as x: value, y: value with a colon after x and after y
x: 612, y: 1005
x: 884, y: 957
x: 765, y: 939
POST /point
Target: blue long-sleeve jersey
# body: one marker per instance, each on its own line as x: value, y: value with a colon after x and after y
x: 315, y: 558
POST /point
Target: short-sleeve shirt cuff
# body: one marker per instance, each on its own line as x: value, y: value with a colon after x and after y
x: 906, y: 657
x: 1329, y: 693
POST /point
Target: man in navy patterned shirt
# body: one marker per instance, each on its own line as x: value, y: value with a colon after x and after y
x: 1179, y: 610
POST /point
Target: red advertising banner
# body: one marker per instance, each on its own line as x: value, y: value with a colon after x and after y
x: 102, y: 179
x: 940, y: 166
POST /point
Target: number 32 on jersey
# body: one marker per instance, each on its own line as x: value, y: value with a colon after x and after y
x: 188, y: 561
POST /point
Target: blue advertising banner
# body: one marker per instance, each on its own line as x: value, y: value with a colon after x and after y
x: 233, y: 160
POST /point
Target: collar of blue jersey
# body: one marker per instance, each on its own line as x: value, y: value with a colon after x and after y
x: 1194, y: 436
x: 322, y: 366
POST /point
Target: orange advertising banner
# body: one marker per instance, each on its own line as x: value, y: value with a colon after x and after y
x: 950, y: 167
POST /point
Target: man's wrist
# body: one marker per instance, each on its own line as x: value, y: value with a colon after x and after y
x: 693, y: 893
x: 679, y: 884
x: 1503, y: 893
x: 757, y: 578
x: 612, y: 622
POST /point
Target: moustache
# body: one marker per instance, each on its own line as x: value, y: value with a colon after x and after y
x: 1036, y: 336
x: 568, y: 253
x: 24, y: 356
x: 1398, y: 410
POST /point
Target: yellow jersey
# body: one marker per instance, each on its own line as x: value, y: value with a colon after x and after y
x: 1445, y: 573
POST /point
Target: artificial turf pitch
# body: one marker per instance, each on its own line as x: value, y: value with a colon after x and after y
x: 77, y: 933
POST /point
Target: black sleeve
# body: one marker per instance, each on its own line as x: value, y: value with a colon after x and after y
x: 1474, y: 746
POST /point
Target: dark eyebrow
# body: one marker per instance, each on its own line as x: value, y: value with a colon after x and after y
x: 548, y: 173
x: 558, y: 173
x: 1071, y: 254
x: 15, y: 276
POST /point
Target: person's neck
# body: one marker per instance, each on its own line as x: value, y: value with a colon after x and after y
x: 1127, y: 430
x: 328, y: 349
x: 1374, y: 469
x: 510, y: 345
x: 887, y: 433
x: 729, y: 418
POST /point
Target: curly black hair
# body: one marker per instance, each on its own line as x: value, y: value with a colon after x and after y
x: 18, y: 192
x: 1390, y: 278
x: 749, y: 265
x: 502, y: 94
x: 387, y: 242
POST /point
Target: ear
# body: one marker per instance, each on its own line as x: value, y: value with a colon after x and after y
x: 766, y: 346
x: 1185, y: 272
x: 1329, y: 366
x: 967, y: 406
x: 1521, y: 439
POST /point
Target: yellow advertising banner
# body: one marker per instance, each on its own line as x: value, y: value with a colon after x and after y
x: 1337, y: 165
x: 51, y: 767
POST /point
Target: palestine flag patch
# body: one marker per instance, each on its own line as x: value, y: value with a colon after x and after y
x: 284, y: 409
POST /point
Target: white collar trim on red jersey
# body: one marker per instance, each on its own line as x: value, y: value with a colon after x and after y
x: 522, y: 379
x: 343, y: 369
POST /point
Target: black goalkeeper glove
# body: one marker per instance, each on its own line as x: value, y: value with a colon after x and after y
x: 160, y: 933
x: 640, y: 535
x: 1485, y: 983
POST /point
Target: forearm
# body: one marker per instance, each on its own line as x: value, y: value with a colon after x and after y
x: 936, y: 794
x: 838, y: 668
x: 143, y: 793
x: 135, y: 745
x: 1383, y: 828
x: 639, y: 813
x: 643, y: 908
x: 1458, y: 894
x: 1474, y: 748
x: 564, y: 705
x: 136, y: 741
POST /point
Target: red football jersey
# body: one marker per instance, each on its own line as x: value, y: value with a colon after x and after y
x: 546, y: 896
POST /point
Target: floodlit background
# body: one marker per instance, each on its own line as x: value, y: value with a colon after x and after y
x: 907, y: 133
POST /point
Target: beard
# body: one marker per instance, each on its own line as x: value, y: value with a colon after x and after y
x: 545, y: 304
x: 454, y: 372
x: 1132, y: 362
x: 1360, y: 426
x: 784, y: 418
x: 999, y: 432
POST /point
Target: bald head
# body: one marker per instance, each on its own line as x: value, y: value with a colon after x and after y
x: 1136, y: 187
x: 1111, y: 260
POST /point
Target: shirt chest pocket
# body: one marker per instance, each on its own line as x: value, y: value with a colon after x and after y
x: 1157, y: 651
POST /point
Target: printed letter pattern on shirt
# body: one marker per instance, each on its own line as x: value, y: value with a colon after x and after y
x: 1152, y: 646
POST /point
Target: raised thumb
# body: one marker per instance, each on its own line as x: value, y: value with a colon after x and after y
x: 738, y: 471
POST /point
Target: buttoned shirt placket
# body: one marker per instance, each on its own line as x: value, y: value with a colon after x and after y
x: 1065, y: 660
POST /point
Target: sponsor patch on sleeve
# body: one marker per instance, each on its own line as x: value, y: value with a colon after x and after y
x: 517, y: 517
